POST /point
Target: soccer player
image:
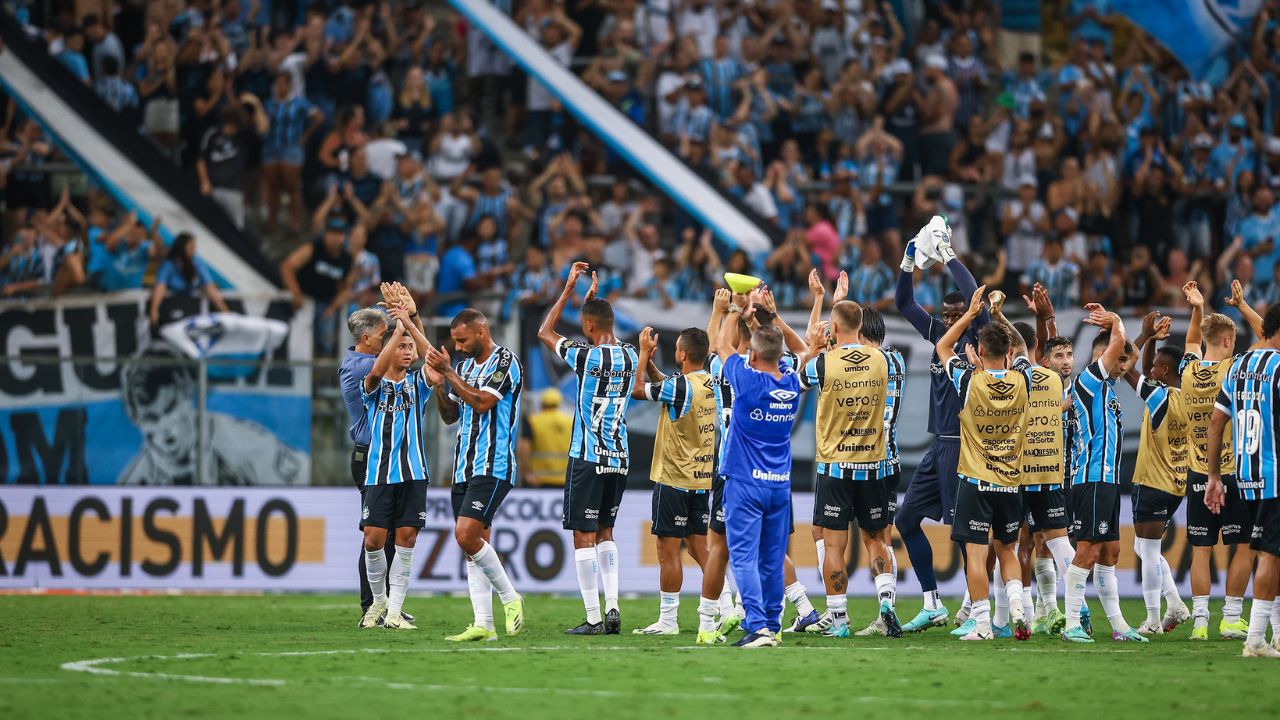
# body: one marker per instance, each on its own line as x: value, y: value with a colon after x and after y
x: 1159, y: 479
x: 757, y: 471
x: 484, y: 399
x: 1095, y: 489
x: 599, y: 454
x: 873, y: 334
x: 852, y: 381
x: 1250, y: 401
x: 395, y: 495
x: 988, y: 501
x: 932, y: 490
x: 1201, y: 382
x: 683, y: 463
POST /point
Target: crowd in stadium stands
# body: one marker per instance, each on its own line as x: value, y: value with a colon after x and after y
x: 391, y: 141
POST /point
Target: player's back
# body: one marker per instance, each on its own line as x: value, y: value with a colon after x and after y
x: 1162, y: 447
x: 892, y: 406
x: 758, y: 442
x: 1098, y: 426
x: 1251, y: 393
x: 1043, y: 459
x: 684, y: 447
x: 605, y: 375
x: 992, y: 421
x: 1201, y: 382
x: 852, y: 381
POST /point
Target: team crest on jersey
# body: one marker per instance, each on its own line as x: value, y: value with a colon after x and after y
x: 364, y: 514
x: 857, y: 357
x: 499, y: 376
x: 783, y: 395
x: 1001, y: 390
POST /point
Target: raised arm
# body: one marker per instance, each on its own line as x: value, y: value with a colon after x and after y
x: 794, y: 342
x: 1046, y: 325
x: 1196, y: 300
x: 547, y: 332
x: 719, y: 308
x: 648, y: 348
x: 904, y: 298
x: 947, y: 343
x: 383, y: 363
x: 1108, y: 321
x: 1016, y: 343
x: 1251, y: 316
x: 818, y: 290
x: 728, y: 339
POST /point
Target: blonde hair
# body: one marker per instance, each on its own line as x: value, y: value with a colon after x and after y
x: 1215, y: 326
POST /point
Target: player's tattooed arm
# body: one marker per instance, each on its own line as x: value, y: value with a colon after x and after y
x: 547, y: 332
x: 1251, y: 316
x: 1017, y: 345
x: 947, y: 343
x: 1191, y: 291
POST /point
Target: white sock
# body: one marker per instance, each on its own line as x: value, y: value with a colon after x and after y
x: 966, y: 605
x: 1200, y: 610
x: 932, y: 601
x: 1001, y: 617
x: 489, y: 564
x: 1047, y: 584
x: 821, y: 546
x: 1148, y: 550
x: 375, y: 569
x: 481, y: 596
x: 1063, y: 553
x: 730, y: 593
x: 838, y: 606
x: 1259, y: 616
x: 798, y: 596
x: 980, y: 613
x: 1028, y: 605
x: 1075, y: 581
x: 1013, y: 589
x: 1232, y: 609
x: 607, y: 554
x: 401, y: 569
x: 893, y: 559
x: 708, y: 608
x: 885, y: 583
x: 1275, y: 621
x: 1167, y: 585
x: 588, y: 581
x: 669, y: 608
x: 1104, y: 578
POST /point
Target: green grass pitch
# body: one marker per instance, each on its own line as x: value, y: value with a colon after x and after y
x: 301, y: 656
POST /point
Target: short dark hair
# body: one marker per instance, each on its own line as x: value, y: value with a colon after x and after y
x: 872, y: 325
x: 955, y: 297
x: 994, y: 339
x: 765, y: 317
x: 1170, y: 355
x: 1056, y: 342
x: 1271, y: 321
x: 1027, y: 332
x: 598, y: 310
x: 469, y: 316
x: 696, y: 343
x: 1101, y: 340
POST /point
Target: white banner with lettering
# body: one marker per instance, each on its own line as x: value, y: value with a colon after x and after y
x: 306, y: 539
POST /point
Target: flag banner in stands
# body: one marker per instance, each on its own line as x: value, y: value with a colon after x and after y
x: 251, y: 539
x: 132, y: 415
x: 1197, y: 32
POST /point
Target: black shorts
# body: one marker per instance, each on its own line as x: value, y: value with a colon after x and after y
x: 987, y: 512
x: 1234, y: 523
x: 1046, y: 508
x: 1266, y: 526
x: 391, y: 506
x: 932, y: 490
x: 479, y: 498
x: 592, y: 494
x: 890, y: 483
x: 716, y: 524
x: 1095, y: 512
x: 679, y: 513
x: 836, y: 502
x: 1154, y: 505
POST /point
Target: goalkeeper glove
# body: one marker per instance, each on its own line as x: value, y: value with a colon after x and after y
x: 909, y: 257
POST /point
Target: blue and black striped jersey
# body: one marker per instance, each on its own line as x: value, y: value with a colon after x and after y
x: 892, y: 405
x: 486, y: 445
x: 1251, y: 398
x: 1098, y: 428
x: 605, y: 375
x: 395, y: 411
